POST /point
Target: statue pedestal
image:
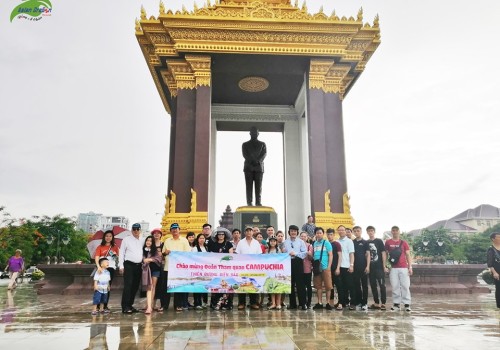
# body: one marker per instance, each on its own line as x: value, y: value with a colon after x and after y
x: 251, y: 216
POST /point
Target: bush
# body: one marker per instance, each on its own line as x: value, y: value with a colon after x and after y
x: 37, y: 275
x: 487, y: 276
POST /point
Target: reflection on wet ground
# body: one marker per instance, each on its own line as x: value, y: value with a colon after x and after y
x: 449, y: 322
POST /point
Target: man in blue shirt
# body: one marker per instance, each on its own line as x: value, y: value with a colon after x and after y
x: 297, y: 250
x: 323, y: 252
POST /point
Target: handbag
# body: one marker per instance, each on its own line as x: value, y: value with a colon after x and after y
x: 317, y: 263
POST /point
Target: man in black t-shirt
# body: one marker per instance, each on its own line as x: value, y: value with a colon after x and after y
x: 361, y: 269
x: 378, y: 258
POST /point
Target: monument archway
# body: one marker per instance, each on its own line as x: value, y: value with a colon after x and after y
x: 270, y: 64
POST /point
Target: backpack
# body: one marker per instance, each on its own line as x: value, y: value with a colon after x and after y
x: 395, y: 254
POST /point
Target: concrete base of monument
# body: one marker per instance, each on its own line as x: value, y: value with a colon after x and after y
x: 74, y: 279
x: 447, y: 279
x: 251, y: 216
x: 70, y: 279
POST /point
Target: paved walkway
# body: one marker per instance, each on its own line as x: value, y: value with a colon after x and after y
x: 29, y: 321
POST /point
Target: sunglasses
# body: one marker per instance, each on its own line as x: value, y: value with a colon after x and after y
x: 220, y: 233
x: 136, y: 229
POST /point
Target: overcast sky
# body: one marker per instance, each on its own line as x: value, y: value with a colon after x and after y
x: 82, y: 127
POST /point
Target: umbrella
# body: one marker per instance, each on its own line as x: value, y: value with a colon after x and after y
x: 96, y: 239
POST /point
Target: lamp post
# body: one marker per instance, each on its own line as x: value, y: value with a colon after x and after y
x: 65, y: 239
x: 439, y: 243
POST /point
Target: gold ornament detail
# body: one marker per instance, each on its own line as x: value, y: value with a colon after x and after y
x: 172, y: 202
x: 253, y: 84
x: 327, y: 201
x: 274, y: 27
x: 347, y: 206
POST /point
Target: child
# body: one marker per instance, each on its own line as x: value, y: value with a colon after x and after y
x: 273, y: 248
x: 101, y: 287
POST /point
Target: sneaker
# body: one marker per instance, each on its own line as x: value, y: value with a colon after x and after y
x: 364, y: 307
x: 217, y: 308
x: 395, y: 307
x: 204, y: 305
x: 318, y: 307
x: 328, y: 306
x: 199, y: 307
x: 407, y: 307
x: 95, y: 313
x: 105, y: 311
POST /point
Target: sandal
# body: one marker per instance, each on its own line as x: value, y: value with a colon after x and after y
x: 374, y: 307
x: 148, y: 312
x: 272, y: 307
x: 278, y: 307
x: 178, y: 309
x: 339, y: 307
x: 352, y: 307
x: 382, y: 307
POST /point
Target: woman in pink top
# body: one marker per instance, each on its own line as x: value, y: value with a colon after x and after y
x: 308, y: 268
x: 15, y: 265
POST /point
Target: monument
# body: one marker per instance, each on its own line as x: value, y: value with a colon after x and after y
x: 270, y: 64
x: 254, y: 152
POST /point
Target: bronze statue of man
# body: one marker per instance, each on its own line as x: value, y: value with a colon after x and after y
x: 254, y: 152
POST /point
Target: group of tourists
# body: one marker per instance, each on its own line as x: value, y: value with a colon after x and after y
x: 348, y: 264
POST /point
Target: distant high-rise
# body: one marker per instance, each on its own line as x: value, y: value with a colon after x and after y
x: 91, y: 222
x: 88, y: 222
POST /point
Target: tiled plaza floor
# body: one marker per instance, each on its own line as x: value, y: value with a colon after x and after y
x: 58, y: 322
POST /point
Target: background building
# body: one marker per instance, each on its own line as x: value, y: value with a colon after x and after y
x: 470, y: 221
x: 92, y: 222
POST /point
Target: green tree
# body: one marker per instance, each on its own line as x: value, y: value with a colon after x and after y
x: 475, y: 246
x: 30, y: 235
x: 433, y: 243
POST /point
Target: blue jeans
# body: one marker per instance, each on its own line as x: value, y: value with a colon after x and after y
x: 99, y: 298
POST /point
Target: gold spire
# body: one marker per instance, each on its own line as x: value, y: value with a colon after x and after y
x: 144, y: 16
x: 360, y: 14
x: 137, y: 26
x: 162, y: 8
x: 375, y: 22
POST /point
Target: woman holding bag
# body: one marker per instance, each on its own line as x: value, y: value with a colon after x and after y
x: 107, y: 249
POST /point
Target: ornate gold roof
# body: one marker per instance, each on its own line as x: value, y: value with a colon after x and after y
x: 272, y: 27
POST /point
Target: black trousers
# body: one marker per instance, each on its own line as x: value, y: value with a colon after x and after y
x: 250, y: 179
x: 497, y: 292
x: 243, y: 297
x: 360, y: 286
x: 377, y: 277
x: 345, y: 286
x: 112, y: 275
x: 309, y: 290
x: 161, y: 290
x: 199, y: 298
x: 298, y: 284
x: 131, y: 281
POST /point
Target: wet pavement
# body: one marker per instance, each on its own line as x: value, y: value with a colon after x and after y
x: 30, y: 321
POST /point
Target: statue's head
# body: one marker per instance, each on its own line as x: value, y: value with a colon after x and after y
x: 254, y: 133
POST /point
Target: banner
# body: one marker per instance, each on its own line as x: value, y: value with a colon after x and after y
x: 228, y: 273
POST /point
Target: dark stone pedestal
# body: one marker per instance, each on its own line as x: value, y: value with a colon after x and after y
x: 70, y: 279
x: 251, y: 216
x: 447, y: 279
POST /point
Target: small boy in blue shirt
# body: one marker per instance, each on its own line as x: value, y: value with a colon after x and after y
x: 101, y: 287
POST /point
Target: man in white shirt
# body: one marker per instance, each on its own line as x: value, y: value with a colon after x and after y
x: 249, y: 245
x: 345, y: 284
x: 130, y: 264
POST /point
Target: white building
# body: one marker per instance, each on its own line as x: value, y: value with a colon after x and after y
x: 89, y: 222
x: 107, y: 222
x: 92, y: 222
